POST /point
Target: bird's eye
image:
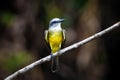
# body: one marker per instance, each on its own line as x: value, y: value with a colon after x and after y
x: 53, y: 23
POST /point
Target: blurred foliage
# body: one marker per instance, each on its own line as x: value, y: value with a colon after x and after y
x: 11, y: 63
x: 79, y: 4
x: 7, y: 18
x: 24, y: 41
x: 52, y: 12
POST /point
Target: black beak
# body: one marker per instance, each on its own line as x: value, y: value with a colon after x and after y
x: 61, y: 20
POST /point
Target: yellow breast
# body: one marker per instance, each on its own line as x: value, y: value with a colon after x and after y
x: 55, y: 40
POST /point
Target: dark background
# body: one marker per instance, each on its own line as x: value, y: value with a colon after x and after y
x: 22, y: 25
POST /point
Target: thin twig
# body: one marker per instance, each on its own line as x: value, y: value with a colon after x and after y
x: 75, y: 45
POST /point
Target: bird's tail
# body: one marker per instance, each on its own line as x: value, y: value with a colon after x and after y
x: 55, y: 63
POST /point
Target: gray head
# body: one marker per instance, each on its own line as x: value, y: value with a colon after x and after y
x: 55, y: 21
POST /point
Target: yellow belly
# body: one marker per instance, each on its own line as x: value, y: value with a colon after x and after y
x: 55, y: 41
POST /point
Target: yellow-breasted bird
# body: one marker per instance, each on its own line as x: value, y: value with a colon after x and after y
x: 55, y: 36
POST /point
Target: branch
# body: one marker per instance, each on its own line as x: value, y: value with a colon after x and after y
x: 75, y: 45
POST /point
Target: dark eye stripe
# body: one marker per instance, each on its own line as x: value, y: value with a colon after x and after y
x: 53, y: 23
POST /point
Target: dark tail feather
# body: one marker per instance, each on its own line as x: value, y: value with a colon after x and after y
x: 55, y: 64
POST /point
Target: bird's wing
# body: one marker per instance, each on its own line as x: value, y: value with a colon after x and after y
x: 46, y: 35
x: 64, y: 32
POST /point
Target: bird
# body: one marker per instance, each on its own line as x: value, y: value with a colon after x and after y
x: 55, y: 36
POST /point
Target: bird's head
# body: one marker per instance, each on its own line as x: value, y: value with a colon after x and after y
x: 55, y: 21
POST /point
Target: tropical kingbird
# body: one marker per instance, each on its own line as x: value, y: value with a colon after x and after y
x: 55, y: 36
